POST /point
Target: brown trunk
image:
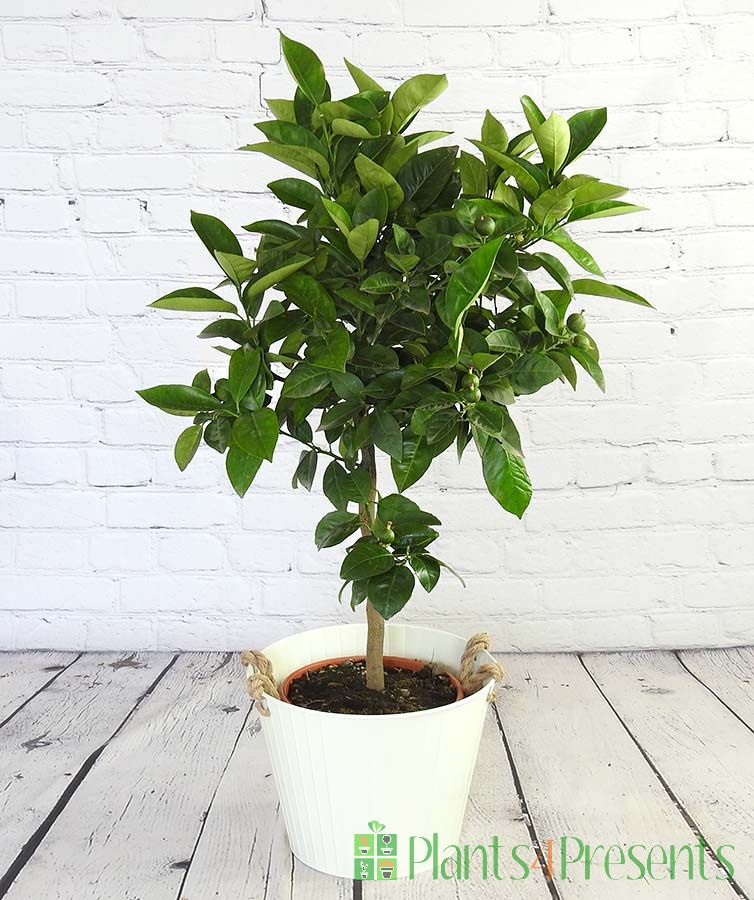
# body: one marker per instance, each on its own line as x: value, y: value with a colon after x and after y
x: 375, y: 622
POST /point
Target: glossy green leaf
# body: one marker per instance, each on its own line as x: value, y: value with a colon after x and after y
x: 585, y: 259
x: 283, y: 110
x: 309, y: 296
x: 194, y: 299
x: 414, y: 94
x: 295, y: 192
x: 373, y: 205
x: 529, y: 177
x: 242, y: 370
x: 217, y: 434
x: 503, y: 340
x: 417, y: 458
x: 362, y: 81
x: 304, y: 381
x: 306, y: 470
x: 180, y: 398
x: 534, y: 115
x: 256, y: 433
x: 601, y: 289
x: 468, y: 282
x: 331, y: 350
x: 364, y: 560
x: 556, y: 270
x: 427, y: 570
x: 302, y: 159
x: 270, y: 279
x: 550, y: 207
x: 305, y: 67
x: 187, y: 445
x: 424, y: 176
x: 214, y: 234
x: 584, y: 127
x: 473, y: 175
x: 553, y: 139
x: 362, y: 238
x: 237, y: 268
x: 334, y: 528
x: 506, y: 478
x: 599, y: 209
x: 390, y: 591
x: 202, y: 380
x: 590, y: 365
x: 291, y: 135
x: 339, y: 215
x: 372, y: 175
x: 386, y: 433
x: 532, y: 372
x: 493, y: 133
x: 241, y: 469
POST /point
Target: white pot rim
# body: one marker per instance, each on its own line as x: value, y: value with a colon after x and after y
x: 273, y: 702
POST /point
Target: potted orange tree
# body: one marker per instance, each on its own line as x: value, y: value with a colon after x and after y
x: 416, y: 294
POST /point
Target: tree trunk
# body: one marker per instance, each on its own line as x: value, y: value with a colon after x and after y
x: 375, y: 622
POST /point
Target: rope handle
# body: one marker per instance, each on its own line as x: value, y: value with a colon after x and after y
x: 473, y: 679
x: 261, y: 681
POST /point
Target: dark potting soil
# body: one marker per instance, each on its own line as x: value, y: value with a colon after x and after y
x: 342, y: 688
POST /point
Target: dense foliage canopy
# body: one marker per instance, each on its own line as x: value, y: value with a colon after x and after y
x: 405, y: 316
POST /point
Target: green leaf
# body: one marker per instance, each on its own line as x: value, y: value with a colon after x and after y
x: 217, y: 434
x: 339, y: 414
x: 270, y: 279
x: 534, y: 115
x: 381, y: 283
x: 414, y: 94
x: 599, y: 209
x: 473, y: 175
x: 304, y: 160
x: 295, y: 192
x: 597, y: 190
x: 331, y: 350
x: 305, y: 67
x: 365, y: 560
x: 283, y: 110
x: 306, y: 469
x: 334, y: 528
x: 350, y: 129
x: 305, y: 380
x: 584, y: 128
x: 556, y: 270
x: 417, y: 458
x: 373, y: 205
x: 256, y: 433
x: 427, y: 570
x: 187, y: 445
x: 341, y: 487
x: 179, y: 397
x: 390, y: 591
x: 590, y: 365
x: 550, y: 207
x: 468, y: 281
x: 601, y: 289
x: 243, y: 368
x: 237, y: 268
x: 214, y: 234
x: 309, y: 296
x: 532, y: 372
x: 560, y: 237
x: 506, y: 478
x: 553, y: 139
x: 347, y: 385
x: 241, y: 469
x: 291, y: 135
x: 339, y: 215
x: 531, y: 179
x: 362, y: 81
x: 362, y: 238
x: 202, y: 381
x: 194, y: 299
x: 493, y: 133
x: 386, y: 433
x: 503, y: 340
x: 424, y: 176
x: 373, y: 176
x: 566, y: 366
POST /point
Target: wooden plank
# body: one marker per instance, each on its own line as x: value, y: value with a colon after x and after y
x: 494, y: 808
x: 584, y: 777
x: 44, y: 746
x: 243, y: 850
x: 131, y: 827
x: 704, y: 753
x: 729, y: 674
x: 23, y: 674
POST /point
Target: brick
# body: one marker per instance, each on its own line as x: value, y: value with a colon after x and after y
x: 672, y: 41
x: 129, y: 172
x: 27, y: 382
x: 47, y: 509
x: 120, y: 551
x: 35, y: 550
x: 50, y: 424
x: 141, y: 130
x: 373, y: 47
x: 178, y: 42
x: 60, y: 9
x: 249, y: 42
x: 629, y: 86
x: 57, y: 342
x: 39, y: 299
x: 339, y: 10
x: 167, y: 88
x: 38, y: 213
x: 474, y: 12
x: 110, y: 215
x: 676, y: 463
x: 28, y: 171
x: 189, y: 9
x: 56, y: 592
x: 60, y: 130
x: 735, y: 462
x: 54, y: 87
x: 35, y: 42
x: 587, y: 10
x: 185, y: 594
x: 111, y: 43
x: 46, y: 465
x: 602, y: 468
x: 153, y: 510
x: 608, y: 45
x: 11, y: 130
x: 190, y: 552
x: 719, y: 81
x: 111, y: 467
x: 516, y: 48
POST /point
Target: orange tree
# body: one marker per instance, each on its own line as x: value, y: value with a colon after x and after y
x: 404, y: 318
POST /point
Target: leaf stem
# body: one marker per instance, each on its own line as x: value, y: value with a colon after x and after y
x: 312, y: 446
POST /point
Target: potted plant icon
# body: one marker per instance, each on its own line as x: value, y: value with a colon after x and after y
x: 387, y: 869
x: 363, y: 843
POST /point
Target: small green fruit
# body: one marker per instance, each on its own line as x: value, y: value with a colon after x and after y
x: 576, y: 323
x: 389, y: 534
x: 470, y: 380
x: 485, y: 225
x: 471, y: 395
x: 582, y: 342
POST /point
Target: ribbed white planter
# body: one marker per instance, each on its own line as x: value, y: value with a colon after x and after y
x: 335, y: 773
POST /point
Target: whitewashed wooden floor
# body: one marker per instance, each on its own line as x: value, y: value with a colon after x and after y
x: 144, y: 777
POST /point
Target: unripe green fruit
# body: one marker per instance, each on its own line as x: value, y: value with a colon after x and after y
x: 389, y: 534
x: 470, y: 380
x: 576, y: 323
x: 485, y: 225
x: 582, y: 342
x: 471, y: 395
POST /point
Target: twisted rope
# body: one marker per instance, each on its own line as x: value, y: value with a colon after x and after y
x: 473, y: 679
x: 260, y: 682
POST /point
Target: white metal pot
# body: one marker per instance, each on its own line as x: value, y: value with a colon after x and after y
x: 336, y: 773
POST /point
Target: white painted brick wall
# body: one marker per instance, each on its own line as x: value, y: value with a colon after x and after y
x: 118, y: 116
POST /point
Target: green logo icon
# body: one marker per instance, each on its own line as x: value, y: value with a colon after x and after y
x: 375, y: 854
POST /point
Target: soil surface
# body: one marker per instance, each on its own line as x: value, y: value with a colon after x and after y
x: 342, y: 688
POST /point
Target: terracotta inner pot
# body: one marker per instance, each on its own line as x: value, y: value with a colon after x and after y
x: 398, y: 662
